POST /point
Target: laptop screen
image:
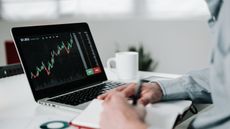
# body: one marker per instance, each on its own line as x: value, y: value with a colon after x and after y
x: 58, y: 58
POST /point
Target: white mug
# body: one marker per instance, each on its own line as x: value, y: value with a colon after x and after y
x: 126, y: 65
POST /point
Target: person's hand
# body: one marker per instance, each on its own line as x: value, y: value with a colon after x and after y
x: 119, y: 114
x: 150, y: 92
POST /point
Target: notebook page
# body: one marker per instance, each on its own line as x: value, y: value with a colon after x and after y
x: 159, y: 116
x: 90, y: 117
x: 164, y: 114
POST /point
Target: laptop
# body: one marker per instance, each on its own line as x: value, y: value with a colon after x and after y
x: 62, y: 64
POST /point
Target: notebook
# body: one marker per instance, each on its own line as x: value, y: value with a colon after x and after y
x: 162, y: 115
x: 62, y: 64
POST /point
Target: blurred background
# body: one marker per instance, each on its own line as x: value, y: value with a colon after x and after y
x: 174, y: 33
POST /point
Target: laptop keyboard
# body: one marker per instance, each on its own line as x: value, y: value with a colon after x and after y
x: 85, y: 95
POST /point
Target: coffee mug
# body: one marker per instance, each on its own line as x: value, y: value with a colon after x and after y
x: 126, y: 65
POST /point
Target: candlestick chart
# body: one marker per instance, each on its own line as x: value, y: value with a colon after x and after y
x: 54, y: 61
x: 57, y: 59
x: 46, y: 67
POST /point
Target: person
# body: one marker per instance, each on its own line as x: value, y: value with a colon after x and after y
x: 209, y: 85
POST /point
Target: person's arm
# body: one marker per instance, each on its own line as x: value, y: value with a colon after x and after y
x: 194, y: 86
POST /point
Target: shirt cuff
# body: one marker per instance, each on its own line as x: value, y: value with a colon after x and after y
x: 173, y: 89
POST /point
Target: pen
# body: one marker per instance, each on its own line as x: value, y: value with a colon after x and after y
x: 137, y: 92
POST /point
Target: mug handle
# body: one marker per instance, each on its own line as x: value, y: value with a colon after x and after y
x: 109, y: 61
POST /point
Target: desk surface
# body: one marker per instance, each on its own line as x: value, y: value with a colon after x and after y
x: 18, y: 108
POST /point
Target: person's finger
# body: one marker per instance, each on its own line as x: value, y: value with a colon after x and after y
x: 130, y: 90
x: 108, y: 96
x: 120, y: 88
x: 116, y: 97
x: 146, y: 99
x: 105, y: 102
x: 143, y: 102
x: 103, y: 96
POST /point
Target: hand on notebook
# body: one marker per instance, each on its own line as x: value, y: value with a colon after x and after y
x: 150, y: 93
x: 119, y: 114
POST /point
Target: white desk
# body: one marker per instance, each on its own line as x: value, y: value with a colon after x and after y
x: 18, y: 108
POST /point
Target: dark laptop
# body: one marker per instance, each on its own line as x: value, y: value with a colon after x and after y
x: 62, y: 64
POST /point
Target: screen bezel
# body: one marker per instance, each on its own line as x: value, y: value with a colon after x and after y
x: 17, y: 32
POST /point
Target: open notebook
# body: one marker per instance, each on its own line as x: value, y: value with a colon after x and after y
x: 161, y: 115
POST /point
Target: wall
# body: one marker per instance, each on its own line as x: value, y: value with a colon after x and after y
x: 178, y: 45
